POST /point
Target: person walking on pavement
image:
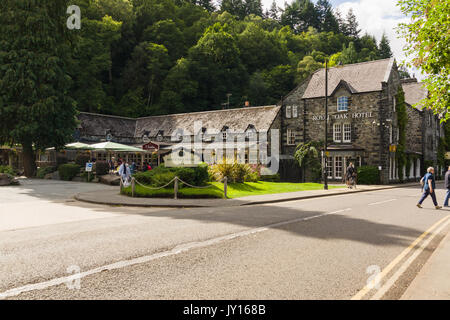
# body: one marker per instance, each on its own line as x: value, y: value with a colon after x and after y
x: 447, y: 186
x: 350, y: 175
x: 429, y: 188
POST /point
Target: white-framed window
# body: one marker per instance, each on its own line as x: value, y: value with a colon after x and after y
x: 224, y: 136
x: 342, y: 104
x: 338, y: 167
x: 294, y: 111
x: 347, y: 132
x: 337, y: 132
x: 290, y: 137
x: 329, y: 167
x: 288, y: 111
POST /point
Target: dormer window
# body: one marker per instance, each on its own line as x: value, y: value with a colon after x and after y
x: 342, y: 104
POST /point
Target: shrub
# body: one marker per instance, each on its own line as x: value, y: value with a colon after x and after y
x: 7, y: 169
x: 82, y: 159
x: 68, y: 171
x: 368, y: 175
x: 161, y: 175
x: 236, y: 172
x: 101, y: 168
x: 43, y: 171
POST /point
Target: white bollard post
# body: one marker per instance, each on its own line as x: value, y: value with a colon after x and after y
x: 175, y: 188
x: 225, y: 187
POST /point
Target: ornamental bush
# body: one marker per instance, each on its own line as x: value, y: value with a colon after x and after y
x: 7, y: 169
x: 235, y: 172
x: 161, y: 175
x: 43, y: 171
x: 68, y: 171
x: 368, y: 175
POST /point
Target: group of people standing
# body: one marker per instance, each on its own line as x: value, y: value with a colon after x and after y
x: 429, y: 188
x: 124, y: 169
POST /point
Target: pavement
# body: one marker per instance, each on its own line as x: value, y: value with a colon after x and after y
x: 432, y: 282
x: 114, y: 198
x: 316, y: 248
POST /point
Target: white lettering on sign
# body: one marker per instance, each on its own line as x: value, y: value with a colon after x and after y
x: 356, y: 115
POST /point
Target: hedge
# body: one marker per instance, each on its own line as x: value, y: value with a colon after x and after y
x: 68, y: 171
x: 368, y: 175
x: 197, y: 176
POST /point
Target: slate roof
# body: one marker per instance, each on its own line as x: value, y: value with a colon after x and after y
x: 93, y: 124
x: 236, y: 120
x: 414, y: 93
x: 361, y: 77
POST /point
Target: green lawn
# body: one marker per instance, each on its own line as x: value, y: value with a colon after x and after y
x: 235, y: 190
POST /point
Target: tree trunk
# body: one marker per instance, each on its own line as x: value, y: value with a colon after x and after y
x: 29, y: 161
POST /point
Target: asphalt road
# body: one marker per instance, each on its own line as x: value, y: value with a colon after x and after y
x: 324, y: 248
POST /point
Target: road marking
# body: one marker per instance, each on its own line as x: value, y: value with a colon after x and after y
x: 375, y: 203
x: 394, y: 262
x: 385, y: 288
x: 178, y: 249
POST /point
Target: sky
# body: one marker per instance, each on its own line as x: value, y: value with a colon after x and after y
x: 374, y: 17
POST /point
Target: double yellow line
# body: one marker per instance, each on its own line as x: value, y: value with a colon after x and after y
x: 399, y: 258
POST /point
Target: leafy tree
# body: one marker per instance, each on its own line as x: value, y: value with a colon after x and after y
x: 351, y: 25
x: 274, y: 12
x: 260, y: 49
x: 307, y: 66
x: 349, y: 54
x: 300, y: 15
x: 326, y: 17
x: 166, y: 33
x: 281, y: 80
x: 384, y: 50
x: 35, y: 49
x: 428, y: 44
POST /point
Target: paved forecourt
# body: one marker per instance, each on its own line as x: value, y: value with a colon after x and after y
x: 308, y: 249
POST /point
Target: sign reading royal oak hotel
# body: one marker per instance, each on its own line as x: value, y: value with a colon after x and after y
x: 354, y: 115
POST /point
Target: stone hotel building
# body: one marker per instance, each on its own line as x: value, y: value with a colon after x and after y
x: 362, y: 126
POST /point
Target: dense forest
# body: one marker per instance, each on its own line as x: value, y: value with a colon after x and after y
x: 150, y: 57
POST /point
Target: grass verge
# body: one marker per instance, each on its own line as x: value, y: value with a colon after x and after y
x: 235, y: 190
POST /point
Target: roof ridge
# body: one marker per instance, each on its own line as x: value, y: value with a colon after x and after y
x: 208, y: 111
x: 106, y: 115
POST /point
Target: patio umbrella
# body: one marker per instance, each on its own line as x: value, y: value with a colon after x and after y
x: 75, y: 146
x: 113, y: 146
x: 78, y: 146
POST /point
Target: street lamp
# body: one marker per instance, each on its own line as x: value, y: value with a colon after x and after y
x: 325, y: 177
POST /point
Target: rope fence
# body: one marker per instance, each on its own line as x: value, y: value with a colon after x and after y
x: 176, y: 181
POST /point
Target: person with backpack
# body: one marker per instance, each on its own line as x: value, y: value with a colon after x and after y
x: 447, y: 186
x: 429, y: 188
x: 350, y: 175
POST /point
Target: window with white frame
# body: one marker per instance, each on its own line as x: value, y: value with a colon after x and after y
x: 342, y: 104
x: 338, y: 167
x: 337, y: 132
x: 288, y: 111
x: 329, y: 166
x: 294, y: 111
x: 224, y: 136
x: 347, y: 132
x: 290, y: 137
